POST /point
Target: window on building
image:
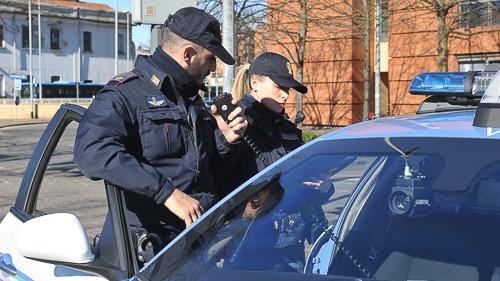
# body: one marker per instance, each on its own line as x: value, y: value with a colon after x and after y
x: 55, y: 78
x: 87, y: 41
x: 54, y: 39
x: 2, y: 44
x: 479, y: 13
x: 25, y: 37
x: 475, y: 65
x: 384, y: 24
x: 121, y: 42
x: 213, y: 91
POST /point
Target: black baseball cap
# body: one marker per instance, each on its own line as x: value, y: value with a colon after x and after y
x: 201, y: 28
x: 278, y: 68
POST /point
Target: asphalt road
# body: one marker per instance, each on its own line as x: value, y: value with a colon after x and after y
x: 64, y: 188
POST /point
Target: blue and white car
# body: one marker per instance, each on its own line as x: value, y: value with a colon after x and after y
x: 413, y: 197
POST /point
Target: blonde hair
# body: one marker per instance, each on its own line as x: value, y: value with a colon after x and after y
x: 241, y: 84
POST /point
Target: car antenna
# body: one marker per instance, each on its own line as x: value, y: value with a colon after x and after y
x: 405, y: 155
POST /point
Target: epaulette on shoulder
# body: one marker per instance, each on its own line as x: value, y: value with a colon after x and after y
x: 122, y: 78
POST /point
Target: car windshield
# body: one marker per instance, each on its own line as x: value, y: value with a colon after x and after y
x: 391, y: 209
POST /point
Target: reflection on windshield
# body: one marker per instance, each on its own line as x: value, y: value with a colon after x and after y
x: 417, y: 214
x: 231, y: 240
x: 264, y: 234
x: 274, y: 229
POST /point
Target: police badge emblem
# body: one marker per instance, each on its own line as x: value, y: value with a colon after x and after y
x: 289, y: 67
x: 156, y: 101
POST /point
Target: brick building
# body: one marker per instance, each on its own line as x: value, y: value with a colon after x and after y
x: 473, y: 41
x: 334, y: 55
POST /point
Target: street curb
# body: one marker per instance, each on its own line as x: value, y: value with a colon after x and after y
x: 22, y: 124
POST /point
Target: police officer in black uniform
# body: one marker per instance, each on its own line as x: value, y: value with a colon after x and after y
x: 148, y: 131
x: 263, y: 88
x: 280, y: 237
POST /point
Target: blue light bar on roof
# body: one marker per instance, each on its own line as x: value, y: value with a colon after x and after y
x: 432, y: 83
x: 472, y: 83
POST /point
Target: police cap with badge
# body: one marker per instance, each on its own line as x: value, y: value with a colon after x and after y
x: 278, y: 68
x: 201, y: 28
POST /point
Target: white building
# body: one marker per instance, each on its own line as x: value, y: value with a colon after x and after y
x: 78, y: 42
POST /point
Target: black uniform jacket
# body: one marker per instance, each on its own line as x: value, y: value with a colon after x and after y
x: 149, y: 132
x: 272, y: 137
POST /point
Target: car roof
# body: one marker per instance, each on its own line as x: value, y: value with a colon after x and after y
x: 455, y: 124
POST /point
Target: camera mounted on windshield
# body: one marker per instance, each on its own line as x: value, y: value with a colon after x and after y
x: 410, y: 196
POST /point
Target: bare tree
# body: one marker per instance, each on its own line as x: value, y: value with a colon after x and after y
x: 453, y: 19
x: 294, y: 25
x: 360, y: 24
x: 248, y: 14
x: 446, y: 23
x: 289, y: 26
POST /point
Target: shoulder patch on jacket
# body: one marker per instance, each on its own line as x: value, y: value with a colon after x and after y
x: 122, y: 78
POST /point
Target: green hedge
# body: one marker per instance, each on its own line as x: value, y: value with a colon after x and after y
x: 308, y: 135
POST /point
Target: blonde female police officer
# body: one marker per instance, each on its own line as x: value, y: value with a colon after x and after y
x: 263, y: 88
x: 270, y: 136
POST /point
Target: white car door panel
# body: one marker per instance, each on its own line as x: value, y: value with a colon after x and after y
x: 35, y: 200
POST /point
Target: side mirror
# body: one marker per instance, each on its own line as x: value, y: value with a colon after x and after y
x: 55, y: 237
x: 299, y: 118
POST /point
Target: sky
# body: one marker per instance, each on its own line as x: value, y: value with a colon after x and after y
x: 140, y: 33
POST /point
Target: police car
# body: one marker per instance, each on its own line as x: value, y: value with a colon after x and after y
x: 413, y: 197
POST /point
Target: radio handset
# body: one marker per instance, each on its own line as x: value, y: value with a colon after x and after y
x: 224, y: 105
